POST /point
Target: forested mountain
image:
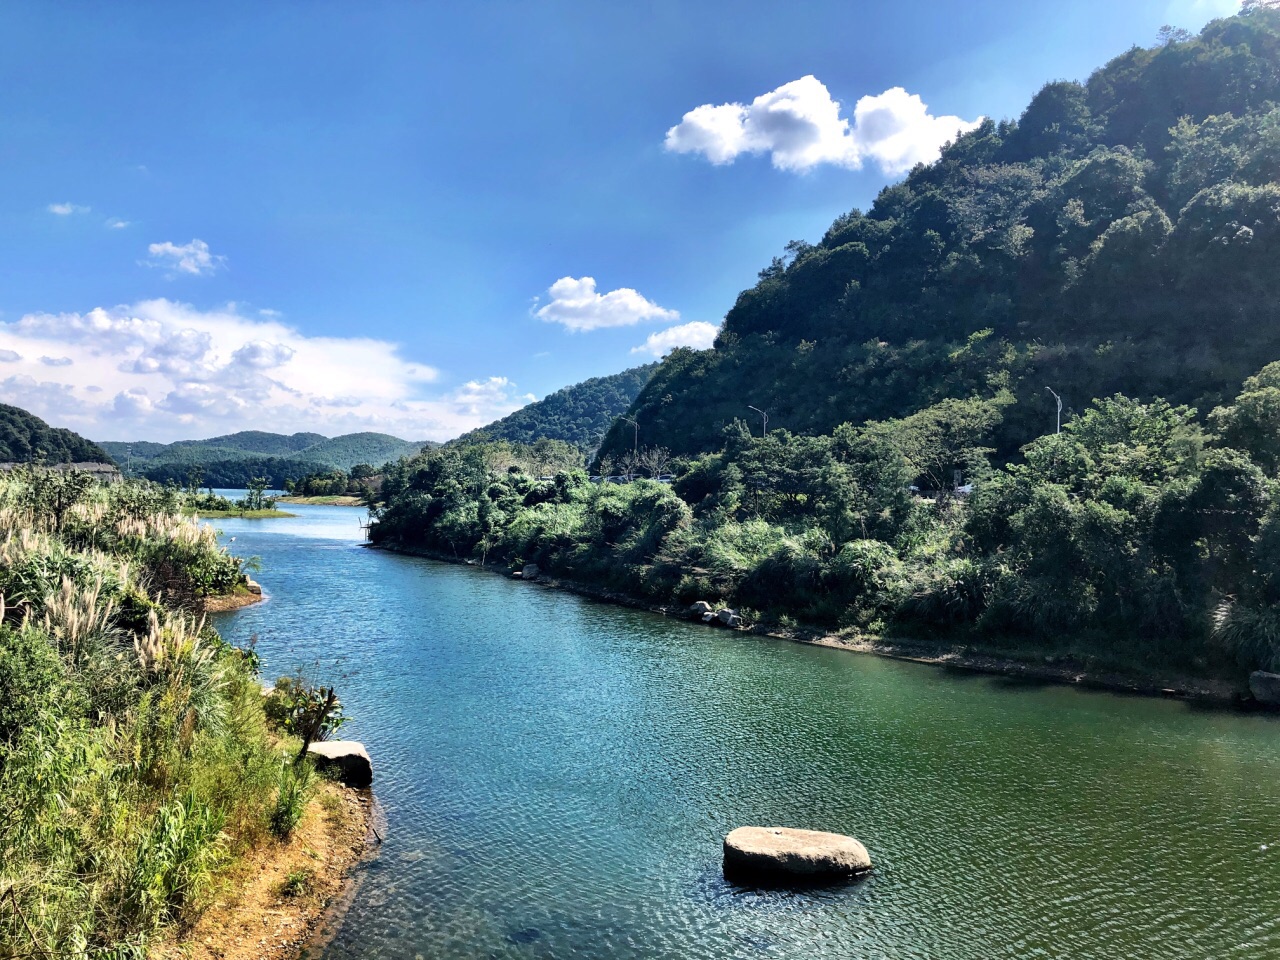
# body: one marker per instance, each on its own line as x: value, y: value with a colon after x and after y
x: 1122, y: 235
x: 24, y: 437
x: 233, y: 460
x: 579, y: 414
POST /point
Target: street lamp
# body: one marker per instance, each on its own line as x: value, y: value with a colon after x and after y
x: 764, y: 427
x: 1059, y: 399
x: 635, y: 449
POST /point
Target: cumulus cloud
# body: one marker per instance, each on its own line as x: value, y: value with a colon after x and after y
x: 164, y: 370
x: 115, y: 223
x: 697, y: 334
x: 57, y: 361
x: 799, y: 125
x: 66, y: 209
x: 192, y: 258
x: 576, y: 304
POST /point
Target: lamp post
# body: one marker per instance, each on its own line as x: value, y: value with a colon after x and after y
x: 1059, y: 399
x: 764, y: 426
x: 635, y: 448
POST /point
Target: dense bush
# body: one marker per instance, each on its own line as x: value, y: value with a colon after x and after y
x: 1137, y: 532
x: 135, y: 756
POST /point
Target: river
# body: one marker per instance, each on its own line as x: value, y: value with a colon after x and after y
x: 557, y: 775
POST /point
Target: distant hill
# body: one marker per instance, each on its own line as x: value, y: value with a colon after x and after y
x: 579, y: 414
x: 232, y: 460
x: 24, y: 437
x: 259, y: 441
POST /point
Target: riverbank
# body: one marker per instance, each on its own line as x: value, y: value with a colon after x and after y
x: 238, y: 514
x: 248, y: 593
x: 1032, y: 667
x: 281, y: 895
x: 326, y: 501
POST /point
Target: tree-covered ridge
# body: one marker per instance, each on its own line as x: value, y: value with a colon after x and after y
x: 1122, y: 236
x: 24, y: 438
x: 1136, y: 538
x: 233, y: 460
x: 579, y: 414
x: 258, y: 441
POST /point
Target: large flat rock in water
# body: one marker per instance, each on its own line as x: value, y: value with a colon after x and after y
x: 348, y: 757
x: 781, y: 854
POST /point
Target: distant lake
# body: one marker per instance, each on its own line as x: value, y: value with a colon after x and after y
x: 558, y: 774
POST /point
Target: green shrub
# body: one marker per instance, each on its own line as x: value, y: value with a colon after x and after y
x: 296, y: 786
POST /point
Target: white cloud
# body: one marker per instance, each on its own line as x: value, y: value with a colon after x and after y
x: 115, y: 223
x: 576, y: 304
x: 697, y: 334
x: 163, y: 370
x: 66, y: 209
x: 193, y: 258
x: 800, y: 127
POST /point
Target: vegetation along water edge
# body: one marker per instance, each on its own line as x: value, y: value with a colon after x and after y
x: 144, y: 775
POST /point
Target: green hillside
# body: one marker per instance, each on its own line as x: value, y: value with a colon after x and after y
x: 579, y: 414
x: 24, y: 437
x: 343, y: 453
x: 233, y: 460
x: 258, y: 441
x: 1121, y: 236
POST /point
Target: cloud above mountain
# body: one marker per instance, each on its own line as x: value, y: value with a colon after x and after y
x: 697, y: 334
x: 577, y: 306
x: 799, y: 125
x: 164, y: 370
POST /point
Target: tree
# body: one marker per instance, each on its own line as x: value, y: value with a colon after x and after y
x: 654, y: 460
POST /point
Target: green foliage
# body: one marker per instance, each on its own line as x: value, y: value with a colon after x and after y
x: 578, y: 415
x: 135, y: 756
x: 1134, y: 531
x: 25, y: 438
x: 235, y: 460
x: 297, y: 786
x: 300, y: 709
x: 1120, y: 237
x: 297, y: 883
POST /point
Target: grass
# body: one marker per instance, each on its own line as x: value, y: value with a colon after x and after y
x: 238, y: 514
x: 297, y: 883
x: 333, y: 500
x: 137, y: 766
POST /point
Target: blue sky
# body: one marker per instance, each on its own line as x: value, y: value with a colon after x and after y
x: 348, y: 216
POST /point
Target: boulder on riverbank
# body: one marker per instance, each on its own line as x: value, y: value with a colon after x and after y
x: 530, y: 571
x: 253, y: 586
x: 347, y: 757
x: 1265, y: 687
x: 784, y: 855
x: 706, y: 613
x: 729, y: 618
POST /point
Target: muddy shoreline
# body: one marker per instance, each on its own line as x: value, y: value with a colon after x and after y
x: 1052, y: 669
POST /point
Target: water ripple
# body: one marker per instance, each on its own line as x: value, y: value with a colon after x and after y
x: 557, y: 776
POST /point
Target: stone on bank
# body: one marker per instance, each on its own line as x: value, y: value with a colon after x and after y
x: 1265, y: 687
x: 781, y: 854
x: 347, y: 757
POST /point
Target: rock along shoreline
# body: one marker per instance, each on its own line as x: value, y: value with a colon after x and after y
x: 1057, y: 670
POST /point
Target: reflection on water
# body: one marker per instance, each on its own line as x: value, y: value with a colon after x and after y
x: 557, y: 776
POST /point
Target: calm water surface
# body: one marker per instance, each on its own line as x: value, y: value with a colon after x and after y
x: 558, y: 774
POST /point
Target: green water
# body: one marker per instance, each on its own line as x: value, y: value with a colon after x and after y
x: 558, y: 774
